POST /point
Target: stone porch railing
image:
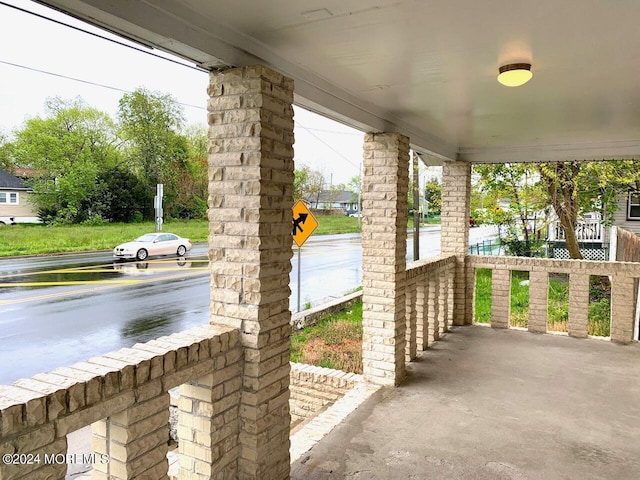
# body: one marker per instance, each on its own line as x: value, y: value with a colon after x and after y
x: 623, y: 276
x: 124, y: 396
x: 428, y: 302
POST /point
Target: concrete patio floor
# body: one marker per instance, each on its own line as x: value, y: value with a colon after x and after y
x: 495, y: 404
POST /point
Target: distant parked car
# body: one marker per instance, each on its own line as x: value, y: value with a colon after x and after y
x: 152, y: 244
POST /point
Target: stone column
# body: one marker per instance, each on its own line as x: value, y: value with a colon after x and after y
x: 622, y: 308
x: 538, y: 301
x: 500, y: 297
x: 456, y: 209
x: 578, y: 304
x: 411, y: 295
x: 136, y: 441
x: 384, y: 247
x: 434, y: 307
x: 443, y: 301
x: 250, y: 200
x: 422, y: 311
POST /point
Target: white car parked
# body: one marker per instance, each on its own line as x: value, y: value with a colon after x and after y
x: 152, y: 244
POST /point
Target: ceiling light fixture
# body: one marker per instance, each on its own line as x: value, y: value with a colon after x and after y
x: 515, y: 74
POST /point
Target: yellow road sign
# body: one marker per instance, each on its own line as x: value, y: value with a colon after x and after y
x: 304, y: 223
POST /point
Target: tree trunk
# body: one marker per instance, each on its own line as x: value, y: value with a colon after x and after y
x: 561, y: 185
x: 572, y: 239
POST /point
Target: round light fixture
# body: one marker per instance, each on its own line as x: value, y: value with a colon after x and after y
x: 515, y: 74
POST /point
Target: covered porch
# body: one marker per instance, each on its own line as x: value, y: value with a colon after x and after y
x: 482, y: 396
x: 494, y: 404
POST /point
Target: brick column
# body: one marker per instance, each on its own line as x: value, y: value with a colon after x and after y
x: 500, y: 297
x: 538, y: 301
x: 422, y: 311
x: 434, y: 307
x: 384, y: 246
x: 250, y: 199
x: 444, y: 300
x: 578, y: 304
x: 622, y: 308
x: 456, y: 209
x: 411, y: 349
x: 136, y: 441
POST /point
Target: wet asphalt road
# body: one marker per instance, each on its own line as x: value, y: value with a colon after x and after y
x: 59, y: 310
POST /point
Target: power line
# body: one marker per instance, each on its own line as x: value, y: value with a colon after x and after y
x: 88, y: 82
x: 117, y: 42
x: 109, y: 87
x: 327, y: 145
x: 146, y: 52
x: 329, y: 131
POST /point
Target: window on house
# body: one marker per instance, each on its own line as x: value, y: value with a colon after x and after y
x: 633, y: 206
x: 9, y: 198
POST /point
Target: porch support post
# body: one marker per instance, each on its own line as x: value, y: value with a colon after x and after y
x: 500, y: 297
x: 456, y: 209
x: 250, y: 199
x: 538, y: 300
x: 623, y: 306
x: 384, y: 248
x: 578, y: 304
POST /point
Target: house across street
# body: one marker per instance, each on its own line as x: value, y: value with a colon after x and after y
x: 14, y: 201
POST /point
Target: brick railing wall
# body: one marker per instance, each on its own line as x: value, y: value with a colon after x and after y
x: 429, y: 299
x: 622, y: 275
x: 124, y: 396
x: 314, y: 388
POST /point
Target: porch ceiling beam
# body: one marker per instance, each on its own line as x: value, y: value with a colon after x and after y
x: 175, y: 28
x: 622, y: 150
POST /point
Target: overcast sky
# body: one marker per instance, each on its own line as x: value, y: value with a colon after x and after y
x: 31, y: 45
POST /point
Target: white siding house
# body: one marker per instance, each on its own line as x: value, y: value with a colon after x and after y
x: 14, y: 201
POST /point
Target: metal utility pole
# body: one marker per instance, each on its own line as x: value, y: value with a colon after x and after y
x: 416, y: 207
x: 157, y: 205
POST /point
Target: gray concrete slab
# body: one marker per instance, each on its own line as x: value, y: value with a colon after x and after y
x: 498, y: 405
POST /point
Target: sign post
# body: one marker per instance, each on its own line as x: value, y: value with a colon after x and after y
x: 157, y: 205
x: 304, y: 224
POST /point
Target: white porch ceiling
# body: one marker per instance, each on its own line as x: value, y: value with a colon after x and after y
x: 425, y: 68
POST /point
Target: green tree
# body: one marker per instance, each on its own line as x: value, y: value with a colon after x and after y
x: 307, y: 184
x: 118, y: 197
x: 433, y: 196
x: 150, y: 124
x: 575, y: 188
x: 192, y: 181
x: 7, y: 162
x: 67, y: 150
x: 519, y: 185
x: 571, y: 188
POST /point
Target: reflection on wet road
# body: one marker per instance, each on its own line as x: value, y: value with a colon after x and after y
x: 56, y: 317
x: 59, y: 310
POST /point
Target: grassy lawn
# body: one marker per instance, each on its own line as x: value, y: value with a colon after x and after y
x: 335, y: 342
x: 30, y: 239
x: 331, y: 224
x: 23, y: 239
x: 558, y: 309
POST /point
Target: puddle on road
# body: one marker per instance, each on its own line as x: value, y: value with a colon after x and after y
x: 87, y: 274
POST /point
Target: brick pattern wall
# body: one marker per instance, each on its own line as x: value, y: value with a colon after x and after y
x: 411, y: 294
x: 422, y: 314
x: 538, y: 300
x: 500, y: 297
x: 122, y: 394
x: 456, y: 209
x: 428, y: 290
x: 578, y: 304
x: 314, y: 388
x: 250, y: 199
x: 623, y: 296
x: 384, y: 234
